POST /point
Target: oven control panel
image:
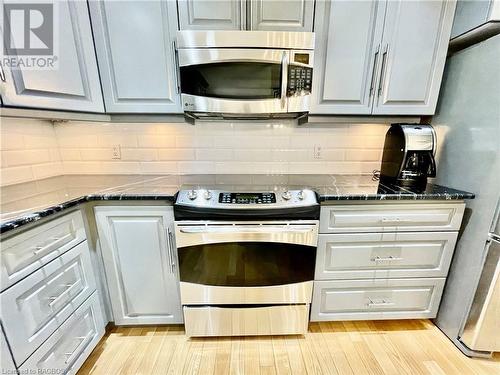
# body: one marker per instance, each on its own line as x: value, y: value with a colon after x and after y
x: 247, y: 198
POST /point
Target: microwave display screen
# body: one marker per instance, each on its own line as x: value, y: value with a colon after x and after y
x: 232, y: 80
x: 302, y: 58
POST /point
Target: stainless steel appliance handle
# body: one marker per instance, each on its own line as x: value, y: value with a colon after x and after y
x: 171, y: 250
x: 176, y: 68
x: 245, y: 229
x: 375, y: 59
x: 383, y: 69
x: 284, y: 78
x: 244, y: 10
x: 200, y: 56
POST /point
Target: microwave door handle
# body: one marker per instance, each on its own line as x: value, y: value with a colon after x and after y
x: 284, y: 78
x: 432, y: 166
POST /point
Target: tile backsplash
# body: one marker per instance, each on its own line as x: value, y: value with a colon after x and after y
x: 33, y: 149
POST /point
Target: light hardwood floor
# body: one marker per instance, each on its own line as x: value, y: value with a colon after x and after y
x: 365, y: 347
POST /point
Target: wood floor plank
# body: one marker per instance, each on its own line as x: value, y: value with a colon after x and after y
x: 399, y: 347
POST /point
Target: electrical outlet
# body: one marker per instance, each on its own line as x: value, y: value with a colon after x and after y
x: 317, y: 152
x: 116, y: 152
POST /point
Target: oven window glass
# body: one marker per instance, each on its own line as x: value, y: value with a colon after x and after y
x: 247, y: 264
x: 232, y: 80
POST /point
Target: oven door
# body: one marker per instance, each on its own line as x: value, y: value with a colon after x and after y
x: 247, y: 262
x: 233, y: 81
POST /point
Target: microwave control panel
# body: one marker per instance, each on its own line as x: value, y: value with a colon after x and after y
x: 299, y: 80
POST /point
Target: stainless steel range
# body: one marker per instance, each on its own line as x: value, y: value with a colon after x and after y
x: 246, y: 260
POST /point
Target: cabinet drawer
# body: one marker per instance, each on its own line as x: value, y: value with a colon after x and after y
x: 376, y: 299
x: 67, y: 348
x: 24, y: 253
x: 391, y: 217
x: 384, y: 255
x: 34, y: 307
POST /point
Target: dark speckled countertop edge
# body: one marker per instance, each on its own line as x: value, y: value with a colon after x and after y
x: 31, y: 217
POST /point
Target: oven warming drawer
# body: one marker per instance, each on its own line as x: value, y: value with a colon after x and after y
x: 197, y: 294
x: 246, y: 321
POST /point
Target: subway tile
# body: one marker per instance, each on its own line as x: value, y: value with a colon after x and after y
x: 47, y: 170
x: 176, y: 154
x: 103, y: 154
x: 252, y: 155
x: 156, y: 141
x: 82, y: 167
x: 14, y: 175
x: 158, y: 167
x: 139, y: 154
x: 120, y: 167
x: 11, y: 141
x: 202, y: 141
x: 362, y: 155
x: 70, y: 154
x: 212, y: 154
x: 25, y: 157
x: 187, y: 167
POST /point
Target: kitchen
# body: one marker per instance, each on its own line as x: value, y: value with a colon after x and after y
x: 250, y: 186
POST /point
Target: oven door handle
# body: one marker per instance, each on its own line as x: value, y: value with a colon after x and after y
x: 222, y: 230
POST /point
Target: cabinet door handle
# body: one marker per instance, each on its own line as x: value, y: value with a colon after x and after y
x: 171, y: 250
x: 383, y: 259
x: 379, y: 304
x: 383, y: 69
x: 375, y: 59
x: 176, y: 68
x: 83, y: 340
x: 53, y: 300
x: 2, y: 73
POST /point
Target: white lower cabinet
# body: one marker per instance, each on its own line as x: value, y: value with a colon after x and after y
x: 68, y: 347
x: 33, y: 308
x: 376, y: 299
x: 140, y: 260
x: 7, y: 365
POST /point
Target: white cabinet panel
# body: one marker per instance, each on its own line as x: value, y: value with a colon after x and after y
x: 211, y: 14
x: 348, y: 35
x: 68, y: 347
x: 384, y: 255
x: 376, y: 299
x: 397, y: 217
x: 34, y: 307
x: 140, y: 261
x: 135, y: 48
x: 26, y: 252
x: 74, y: 85
x: 414, y: 46
x: 7, y: 365
x: 276, y: 15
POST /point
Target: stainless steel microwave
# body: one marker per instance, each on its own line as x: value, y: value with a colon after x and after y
x: 245, y: 74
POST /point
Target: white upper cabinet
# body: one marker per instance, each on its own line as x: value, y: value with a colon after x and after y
x: 275, y: 15
x: 380, y: 57
x: 414, y: 46
x: 136, y: 52
x: 73, y: 84
x: 140, y: 260
x: 348, y: 37
x: 211, y: 14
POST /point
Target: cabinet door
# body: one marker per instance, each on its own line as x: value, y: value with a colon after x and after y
x: 211, y: 14
x: 274, y: 15
x: 414, y: 46
x: 347, y: 53
x: 7, y: 366
x: 74, y: 83
x: 139, y: 259
x: 135, y: 47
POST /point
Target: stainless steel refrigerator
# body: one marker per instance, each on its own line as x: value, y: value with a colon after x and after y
x: 467, y: 124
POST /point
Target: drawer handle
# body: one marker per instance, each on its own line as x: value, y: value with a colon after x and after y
x: 40, y: 249
x: 385, y: 259
x: 82, y: 340
x: 53, y: 300
x: 395, y: 220
x: 379, y: 304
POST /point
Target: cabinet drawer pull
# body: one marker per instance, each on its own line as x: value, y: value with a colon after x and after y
x: 379, y: 304
x: 40, y: 249
x: 383, y: 259
x: 395, y: 220
x: 82, y: 340
x: 53, y: 300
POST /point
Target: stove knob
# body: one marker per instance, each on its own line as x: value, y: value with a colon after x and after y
x: 207, y: 195
x: 192, y: 194
x: 286, y: 195
x: 301, y: 195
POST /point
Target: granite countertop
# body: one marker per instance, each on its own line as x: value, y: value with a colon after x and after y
x: 28, y: 202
